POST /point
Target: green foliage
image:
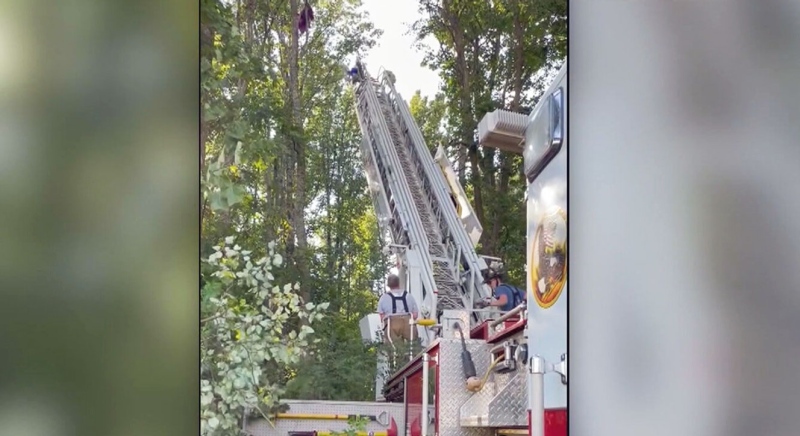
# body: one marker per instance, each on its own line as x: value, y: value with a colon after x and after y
x: 223, y: 191
x: 283, y: 137
x: 430, y: 116
x: 355, y: 426
x: 246, y: 335
x: 342, y: 368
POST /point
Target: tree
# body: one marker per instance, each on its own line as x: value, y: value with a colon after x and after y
x: 280, y: 158
x: 491, y: 55
x: 246, y: 339
x: 263, y: 85
x: 430, y: 114
x: 346, y: 251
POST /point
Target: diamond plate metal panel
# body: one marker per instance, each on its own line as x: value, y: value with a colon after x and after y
x: 475, y: 412
x: 449, y: 318
x: 510, y: 406
x: 452, y: 390
x: 260, y: 427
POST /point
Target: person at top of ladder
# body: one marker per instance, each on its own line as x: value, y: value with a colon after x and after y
x: 505, y: 296
x: 397, y: 308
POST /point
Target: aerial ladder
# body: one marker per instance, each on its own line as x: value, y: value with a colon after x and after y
x: 416, y: 205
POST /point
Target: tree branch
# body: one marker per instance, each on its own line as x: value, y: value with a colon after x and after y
x: 210, y: 318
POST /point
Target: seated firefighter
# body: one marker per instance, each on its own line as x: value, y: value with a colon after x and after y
x: 397, y: 308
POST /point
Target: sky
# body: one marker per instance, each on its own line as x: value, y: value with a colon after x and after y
x: 395, y: 51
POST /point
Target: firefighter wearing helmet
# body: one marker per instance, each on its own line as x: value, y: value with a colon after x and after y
x: 504, y: 296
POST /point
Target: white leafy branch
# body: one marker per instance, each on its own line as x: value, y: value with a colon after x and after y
x: 246, y: 330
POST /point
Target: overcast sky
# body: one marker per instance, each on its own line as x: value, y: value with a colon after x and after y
x: 395, y: 50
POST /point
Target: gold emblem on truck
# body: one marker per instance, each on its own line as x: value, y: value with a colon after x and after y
x: 549, y: 258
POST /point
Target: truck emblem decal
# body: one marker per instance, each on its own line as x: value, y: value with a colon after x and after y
x: 549, y: 258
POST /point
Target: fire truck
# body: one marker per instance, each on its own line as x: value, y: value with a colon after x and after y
x: 480, y: 372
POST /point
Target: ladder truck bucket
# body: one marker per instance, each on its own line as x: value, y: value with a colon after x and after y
x: 370, y: 326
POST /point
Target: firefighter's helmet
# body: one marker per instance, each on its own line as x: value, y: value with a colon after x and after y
x: 496, y: 270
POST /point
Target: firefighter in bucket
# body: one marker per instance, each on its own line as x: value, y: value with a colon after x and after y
x: 398, y: 309
x: 504, y: 296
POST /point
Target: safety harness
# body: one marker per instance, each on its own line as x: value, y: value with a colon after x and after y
x: 395, y: 299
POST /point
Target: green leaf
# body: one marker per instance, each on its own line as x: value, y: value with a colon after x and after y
x: 234, y: 195
x: 238, y: 130
x: 227, y: 276
x: 213, y: 113
x: 211, y: 289
x: 237, y: 155
x: 217, y: 201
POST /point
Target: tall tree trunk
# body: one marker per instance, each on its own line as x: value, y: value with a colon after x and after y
x: 518, y: 73
x: 489, y: 240
x: 461, y: 158
x: 519, y: 46
x: 502, y: 188
x: 467, y: 127
x: 298, y: 157
x: 273, y: 188
x: 330, y: 162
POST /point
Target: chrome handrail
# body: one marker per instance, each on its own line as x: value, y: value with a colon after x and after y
x: 508, y: 314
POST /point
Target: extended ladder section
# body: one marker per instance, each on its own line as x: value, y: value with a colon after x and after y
x: 413, y: 202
